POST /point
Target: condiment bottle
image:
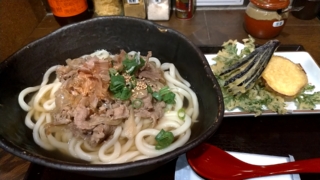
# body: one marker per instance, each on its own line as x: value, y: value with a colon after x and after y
x: 69, y: 11
x: 309, y: 11
x: 134, y: 8
x: 108, y: 7
x: 185, y: 9
x: 265, y: 19
x: 158, y: 10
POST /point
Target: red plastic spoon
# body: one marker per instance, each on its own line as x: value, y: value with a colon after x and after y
x: 213, y: 163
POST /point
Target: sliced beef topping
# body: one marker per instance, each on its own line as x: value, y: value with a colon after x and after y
x: 152, y: 72
x: 85, y: 106
x: 118, y: 113
x: 147, y: 102
x: 100, y: 133
x: 155, y: 113
x: 63, y: 117
x: 117, y: 63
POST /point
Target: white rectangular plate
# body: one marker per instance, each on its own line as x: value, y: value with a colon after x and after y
x: 313, y: 73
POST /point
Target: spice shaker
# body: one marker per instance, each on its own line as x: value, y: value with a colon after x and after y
x: 108, y: 7
x: 134, y: 8
x: 265, y: 19
x: 158, y: 10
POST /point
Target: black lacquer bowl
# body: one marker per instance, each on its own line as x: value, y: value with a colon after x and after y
x: 26, y: 67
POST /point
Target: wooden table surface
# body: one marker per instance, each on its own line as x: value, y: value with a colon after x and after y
x: 210, y: 28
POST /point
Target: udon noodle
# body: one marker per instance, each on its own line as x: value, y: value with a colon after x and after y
x: 129, y: 138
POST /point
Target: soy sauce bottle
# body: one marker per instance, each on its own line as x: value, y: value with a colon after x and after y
x: 69, y: 11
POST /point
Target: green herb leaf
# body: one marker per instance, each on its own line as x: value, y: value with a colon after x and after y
x: 164, y: 90
x: 149, y: 89
x: 112, y: 72
x: 124, y: 94
x: 118, y: 87
x: 132, y: 65
x: 164, y: 94
x: 133, y: 81
x: 182, y: 113
x: 169, y: 98
x: 164, y: 139
x: 117, y: 83
x: 137, y: 103
x: 157, y: 96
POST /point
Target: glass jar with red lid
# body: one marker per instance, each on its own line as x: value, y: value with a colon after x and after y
x: 265, y: 19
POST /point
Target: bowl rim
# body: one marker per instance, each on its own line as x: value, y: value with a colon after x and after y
x: 71, y: 166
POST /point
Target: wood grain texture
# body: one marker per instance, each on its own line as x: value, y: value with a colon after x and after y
x: 14, y: 29
x: 12, y: 167
x: 210, y: 28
